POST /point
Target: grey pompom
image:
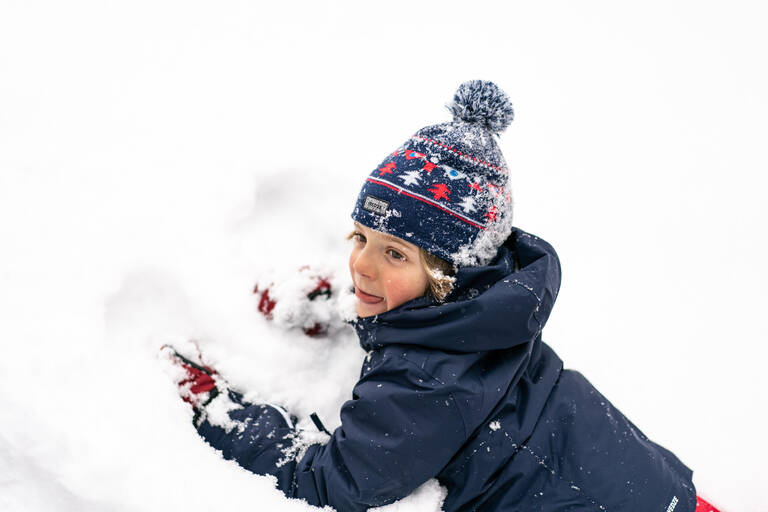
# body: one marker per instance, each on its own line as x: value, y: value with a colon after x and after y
x: 482, y: 102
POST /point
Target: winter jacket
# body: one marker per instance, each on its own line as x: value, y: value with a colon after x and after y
x: 466, y: 392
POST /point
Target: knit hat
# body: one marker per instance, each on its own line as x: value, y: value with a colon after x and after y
x: 446, y: 189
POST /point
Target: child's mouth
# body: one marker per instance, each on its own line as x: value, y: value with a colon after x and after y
x: 366, y: 297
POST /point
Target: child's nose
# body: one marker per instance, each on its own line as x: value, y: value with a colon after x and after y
x: 364, y: 264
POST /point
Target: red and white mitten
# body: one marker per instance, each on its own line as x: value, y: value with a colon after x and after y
x: 197, y: 381
x: 305, y: 299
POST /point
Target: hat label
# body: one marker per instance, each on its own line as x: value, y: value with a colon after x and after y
x: 375, y: 205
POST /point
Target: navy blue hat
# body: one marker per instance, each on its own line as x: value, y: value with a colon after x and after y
x: 446, y: 189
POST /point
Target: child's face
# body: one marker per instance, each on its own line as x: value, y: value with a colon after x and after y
x: 387, y: 271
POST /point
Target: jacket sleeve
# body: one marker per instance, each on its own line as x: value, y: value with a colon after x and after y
x: 400, y: 429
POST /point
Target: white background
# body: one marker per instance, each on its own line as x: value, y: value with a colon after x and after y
x: 155, y: 155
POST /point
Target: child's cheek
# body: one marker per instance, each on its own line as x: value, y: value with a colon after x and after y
x: 397, y: 292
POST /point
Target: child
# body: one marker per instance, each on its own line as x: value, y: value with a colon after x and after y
x: 457, y: 385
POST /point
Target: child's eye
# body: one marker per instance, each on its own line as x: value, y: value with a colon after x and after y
x: 396, y: 255
x: 358, y: 237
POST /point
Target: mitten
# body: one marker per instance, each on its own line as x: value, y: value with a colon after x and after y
x: 305, y: 299
x: 198, y: 384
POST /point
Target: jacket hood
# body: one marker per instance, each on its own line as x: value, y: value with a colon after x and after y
x: 497, y: 306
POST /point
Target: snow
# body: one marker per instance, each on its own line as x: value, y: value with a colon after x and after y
x: 427, y: 498
x: 158, y: 158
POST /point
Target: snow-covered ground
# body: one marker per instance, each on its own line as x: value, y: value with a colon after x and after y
x: 156, y: 157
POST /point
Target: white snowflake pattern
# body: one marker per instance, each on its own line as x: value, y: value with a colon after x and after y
x: 468, y: 204
x: 410, y: 178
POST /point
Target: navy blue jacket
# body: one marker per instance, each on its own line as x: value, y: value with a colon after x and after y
x: 466, y: 392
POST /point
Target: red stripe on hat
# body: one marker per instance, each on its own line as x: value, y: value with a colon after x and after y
x: 425, y: 200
